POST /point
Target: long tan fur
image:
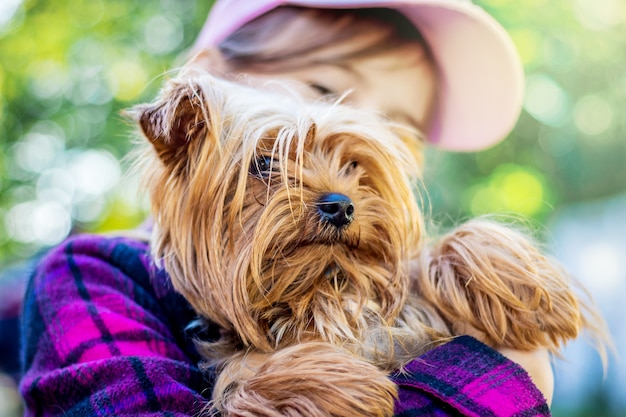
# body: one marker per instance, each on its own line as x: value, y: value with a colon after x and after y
x: 314, y: 316
x: 495, y: 278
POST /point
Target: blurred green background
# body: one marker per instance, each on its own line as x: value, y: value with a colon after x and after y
x: 67, y: 68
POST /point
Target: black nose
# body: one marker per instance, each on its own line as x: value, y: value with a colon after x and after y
x: 336, y: 209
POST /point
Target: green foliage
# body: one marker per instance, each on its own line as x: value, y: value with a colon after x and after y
x: 67, y: 69
x: 570, y: 141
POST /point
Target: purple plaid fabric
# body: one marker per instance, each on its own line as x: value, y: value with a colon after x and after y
x: 466, y: 377
x: 103, y: 335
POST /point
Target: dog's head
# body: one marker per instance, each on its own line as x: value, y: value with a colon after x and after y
x: 279, y: 219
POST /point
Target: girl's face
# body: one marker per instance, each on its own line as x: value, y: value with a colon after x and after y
x: 399, y: 82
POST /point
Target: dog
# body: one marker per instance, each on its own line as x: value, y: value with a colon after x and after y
x: 295, y: 226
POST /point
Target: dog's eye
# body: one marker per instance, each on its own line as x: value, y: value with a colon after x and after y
x: 351, y: 166
x: 262, y: 166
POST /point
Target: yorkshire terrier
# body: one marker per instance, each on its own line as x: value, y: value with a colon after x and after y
x: 295, y: 227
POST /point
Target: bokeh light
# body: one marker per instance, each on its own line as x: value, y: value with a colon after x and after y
x: 593, y: 115
x: 162, y: 34
x: 126, y: 79
x: 37, y: 151
x: 600, y: 14
x: 10, y: 404
x: 8, y: 9
x: 41, y: 222
x: 602, y: 266
x: 47, y: 79
x: 546, y: 100
x: 509, y: 189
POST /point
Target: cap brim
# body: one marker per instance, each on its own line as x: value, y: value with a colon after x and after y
x: 480, y: 74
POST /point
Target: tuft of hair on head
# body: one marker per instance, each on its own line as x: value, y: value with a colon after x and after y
x: 496, y: 279
x: 313, y: 379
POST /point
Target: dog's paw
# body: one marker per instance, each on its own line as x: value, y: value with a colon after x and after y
x: 312, y: 379
x: 494, y: 280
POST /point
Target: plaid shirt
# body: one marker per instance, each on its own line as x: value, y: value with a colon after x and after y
x: 103, y: 335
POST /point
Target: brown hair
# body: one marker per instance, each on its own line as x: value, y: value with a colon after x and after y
x: 289, y: 37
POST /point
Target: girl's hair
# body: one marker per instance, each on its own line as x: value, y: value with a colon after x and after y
x: 288, y: 38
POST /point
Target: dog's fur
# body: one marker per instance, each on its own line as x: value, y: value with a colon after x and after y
x: 316, y: 314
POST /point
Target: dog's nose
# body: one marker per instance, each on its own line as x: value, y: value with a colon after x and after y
x: 336, y: 209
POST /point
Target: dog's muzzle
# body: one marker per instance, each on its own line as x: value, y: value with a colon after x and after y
x: 336, y: 209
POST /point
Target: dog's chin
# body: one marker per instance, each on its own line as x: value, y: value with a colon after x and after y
x: 337, y: 238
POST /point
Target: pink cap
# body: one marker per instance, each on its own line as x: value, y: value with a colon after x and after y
x: 481, y: 75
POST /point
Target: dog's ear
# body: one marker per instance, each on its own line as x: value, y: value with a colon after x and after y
x: 176, y: 119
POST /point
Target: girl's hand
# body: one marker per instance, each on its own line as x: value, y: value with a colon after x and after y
x: 537, y: 364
